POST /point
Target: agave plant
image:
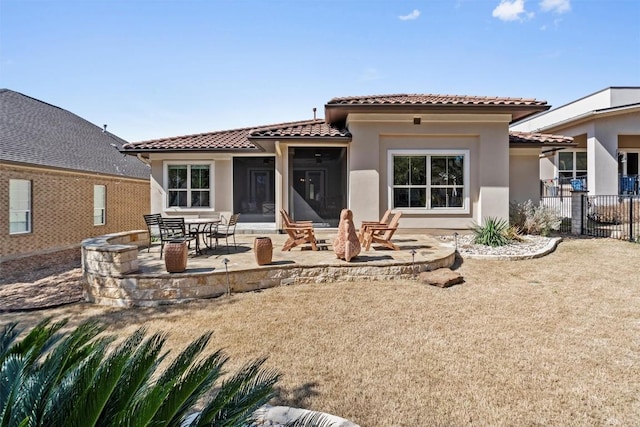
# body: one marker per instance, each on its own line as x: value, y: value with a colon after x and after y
x: 492, y: 233
x: 80, y: 378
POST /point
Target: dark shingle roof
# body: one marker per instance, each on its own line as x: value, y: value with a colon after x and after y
x: 37, y: 133
x: 239, y: 139
x: 432, y: 99
x: 539, y: 138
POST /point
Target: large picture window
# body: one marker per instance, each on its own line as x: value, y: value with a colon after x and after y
x: 19, y: 206
x: 429, y: 179
x: 188, y: 185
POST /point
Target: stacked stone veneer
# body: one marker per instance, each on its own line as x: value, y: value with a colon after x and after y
x: 112, y: 276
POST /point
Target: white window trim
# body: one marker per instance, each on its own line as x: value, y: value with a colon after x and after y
x: 104, y: 205
x: 465, y: 209
x: 29, y: 210
x: 165, y: 186
x: 574, y: 170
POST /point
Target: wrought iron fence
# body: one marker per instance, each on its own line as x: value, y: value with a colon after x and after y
x: 612, y: 216
x: 562, y: 187
x: 562, y: 206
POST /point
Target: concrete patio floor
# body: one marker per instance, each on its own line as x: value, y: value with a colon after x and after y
x: 428, y: 249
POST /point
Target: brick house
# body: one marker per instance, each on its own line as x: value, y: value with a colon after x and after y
x: 62, y: 179
x: 444, y: 161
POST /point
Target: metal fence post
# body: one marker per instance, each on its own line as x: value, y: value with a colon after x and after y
x: 630, y: 219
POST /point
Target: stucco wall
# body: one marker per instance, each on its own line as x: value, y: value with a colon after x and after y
x: 485, y: 137
x: 523, y: 165
x: 62, y: 209
x: 222, y: 183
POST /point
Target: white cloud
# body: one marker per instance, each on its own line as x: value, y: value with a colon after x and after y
x: 413, y: 15
x: 557, y: 6
x: 511, y: 11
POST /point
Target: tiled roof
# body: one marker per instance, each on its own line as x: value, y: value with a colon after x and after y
x: 308, y: 129
x: 338, y: 109
x: 431, y: 99
x: 36, y: 133
x: 538, y: 138
x: 234, y: 139
x: 239, y: 139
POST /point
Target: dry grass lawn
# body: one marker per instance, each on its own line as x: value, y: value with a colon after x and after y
x: 551, y: 341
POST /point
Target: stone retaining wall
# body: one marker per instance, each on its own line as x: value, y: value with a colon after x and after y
x: 110, y: 268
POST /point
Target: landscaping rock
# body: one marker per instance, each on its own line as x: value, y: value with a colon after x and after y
x: 442, y: 277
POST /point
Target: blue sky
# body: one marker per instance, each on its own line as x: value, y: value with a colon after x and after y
x: 152, y: 69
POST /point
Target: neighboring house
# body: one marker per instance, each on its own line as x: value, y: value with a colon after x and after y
x: 606, y: 127
x: 62, y: 179
x: 444, y: 161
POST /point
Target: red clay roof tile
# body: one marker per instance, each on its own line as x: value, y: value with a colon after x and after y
x: 239, y: 139
x: 308, y: 128
x: 538, y: 138
x: 432, y: 99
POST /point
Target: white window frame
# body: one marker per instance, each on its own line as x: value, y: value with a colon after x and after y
x: 188, y: 163
x: 465, y: 209
x: 99, y: 205
x: 574, y: 171
x: 13, y: 210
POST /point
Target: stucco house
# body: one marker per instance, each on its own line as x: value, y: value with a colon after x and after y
x: 445, y: 161
x: 605, y: 126
x: 62, y: 179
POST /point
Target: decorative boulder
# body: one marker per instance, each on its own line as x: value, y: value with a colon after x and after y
x: 442, y: 277
x: 346, y: 246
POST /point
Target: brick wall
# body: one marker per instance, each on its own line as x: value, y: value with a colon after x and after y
x: 62, y: 209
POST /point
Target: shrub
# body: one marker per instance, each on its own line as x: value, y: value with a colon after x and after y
x: 51, y: 378
x: 532, y: 219
x: 492, y: 233
x: 514, y: 233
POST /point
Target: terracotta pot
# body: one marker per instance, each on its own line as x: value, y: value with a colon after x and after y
x: 175, y: 257
x: 263, y: 249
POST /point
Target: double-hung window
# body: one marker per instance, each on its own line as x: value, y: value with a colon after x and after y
x: 19, y: 206
x: 188, y: 185
x: 429, y: 180
x: 99, y: 204
x: 572, y: 164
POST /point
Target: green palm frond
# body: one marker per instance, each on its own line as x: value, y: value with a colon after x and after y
x: 13, y: 372
x: 50, y: 378
x: 35, y: 343
x: 240, y: 395
x: 136, y: 377
x: 188, y: 382
x: 7, y: 337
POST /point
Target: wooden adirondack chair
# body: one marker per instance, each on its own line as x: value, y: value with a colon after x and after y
x: 384, y: 221
x: 300, y: 233
x: 382, y: 234
x: 287, y: 220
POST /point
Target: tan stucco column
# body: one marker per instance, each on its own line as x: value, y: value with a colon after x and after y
x: 364, y: 179
x: 602, y: 162
x: 493, y: 174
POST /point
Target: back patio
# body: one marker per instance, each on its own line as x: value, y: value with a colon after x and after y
x: 120, y: 271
